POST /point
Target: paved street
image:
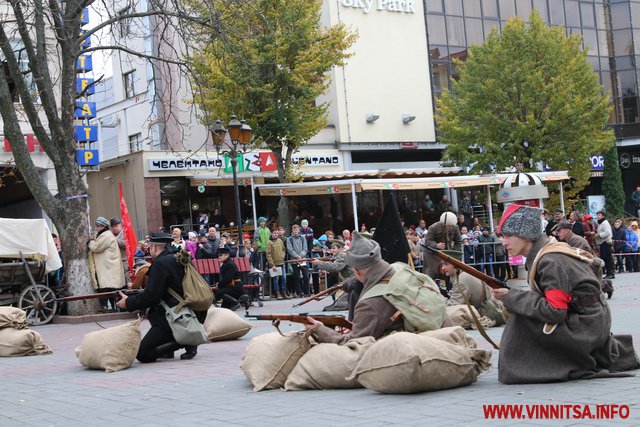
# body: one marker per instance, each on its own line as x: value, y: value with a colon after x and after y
x: 211, y: 389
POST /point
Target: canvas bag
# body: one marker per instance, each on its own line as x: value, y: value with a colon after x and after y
x: 21, y: 342
x: 415, y: 295
x: 196, y: 291
x: 491, y: 308
x: 12, y: 317
x: 184, y: 324
x: 112, y: 349
x: 223, y: 324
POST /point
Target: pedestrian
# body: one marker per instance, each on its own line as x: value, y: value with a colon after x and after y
x: 631, y: 249
x: 177, y: 243
x: 559, y: 330
x: 116, y: 228
x: 105, y: 263
x: 604, y: 240
x: 558, y: 216
x: 486, y: 245
x: 589, y: 232
x: 635, y: 197
x: 203, y: 221
x: 442, y: 235
x: 275, y: 260
x: 444, y: 205
x: 307, y: 233
x: 165, y: 274
x: 576, y: 221
x: 297, y: 250
x: 230, y: 286
x: 372, y: 316
x: 261, y: 238
x: 421, y: 228
x: 619, y: 235
x: 564, y: 230
x: 191, y: 245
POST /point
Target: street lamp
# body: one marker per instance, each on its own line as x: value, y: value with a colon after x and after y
x: 238, y: 144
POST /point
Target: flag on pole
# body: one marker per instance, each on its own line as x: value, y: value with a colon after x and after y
x: 129, y: 235
x: 390, y: 234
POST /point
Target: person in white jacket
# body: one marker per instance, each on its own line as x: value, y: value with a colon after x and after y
x: 604, y: 240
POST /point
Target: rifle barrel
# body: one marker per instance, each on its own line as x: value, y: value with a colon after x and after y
x: 326, y: 319
x: 491, y: 281
x: 98, y: 295
x: 317, y: 296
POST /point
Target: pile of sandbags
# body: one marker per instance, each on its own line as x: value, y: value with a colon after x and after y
x: 402, y: 362
x: 223, y: 324
x: 270, y: 358
x: 15, y: 338
x: 459, y: 315
x: 112, y: 349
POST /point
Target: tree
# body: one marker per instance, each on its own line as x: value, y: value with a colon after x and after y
x: 612, y: 187
x: 527, y: 96
x: 39, y: 44
x: 270, y: 67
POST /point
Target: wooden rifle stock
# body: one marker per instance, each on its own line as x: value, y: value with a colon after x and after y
x: 99, y: 295
x: 319, y: 295
x: 491, y: 281
x: 329, y: 320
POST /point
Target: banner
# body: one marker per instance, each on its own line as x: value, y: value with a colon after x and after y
x: 129, y: 235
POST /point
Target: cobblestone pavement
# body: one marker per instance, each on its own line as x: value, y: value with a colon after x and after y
x: 211, y: 389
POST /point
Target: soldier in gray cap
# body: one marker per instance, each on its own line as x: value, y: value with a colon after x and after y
x: 372, y: 316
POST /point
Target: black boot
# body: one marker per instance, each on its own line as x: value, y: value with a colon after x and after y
x: 231, y: 302
x: 161, y: 351
x: 190, y: 352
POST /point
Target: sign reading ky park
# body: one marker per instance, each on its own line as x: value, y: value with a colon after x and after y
x: 402, y: 6
x: 263, y: 161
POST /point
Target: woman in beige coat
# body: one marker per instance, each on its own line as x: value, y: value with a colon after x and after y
x: 107, y: 273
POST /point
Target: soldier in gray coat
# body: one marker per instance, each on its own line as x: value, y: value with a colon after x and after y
x: 559, y: 330
x: 442, y: 235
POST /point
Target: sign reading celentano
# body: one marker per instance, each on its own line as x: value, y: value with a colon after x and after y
x: 404, y: 6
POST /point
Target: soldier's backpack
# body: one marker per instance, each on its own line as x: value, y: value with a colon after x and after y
x: 415, y: 296
x: 591, y: 260
x: 197, y: 293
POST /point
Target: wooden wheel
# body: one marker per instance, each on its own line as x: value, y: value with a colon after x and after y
x: 40, y: 304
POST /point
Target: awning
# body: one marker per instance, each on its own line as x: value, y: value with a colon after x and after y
x: 451, y: 182
x: 318, y: 188
x: 225, y: 182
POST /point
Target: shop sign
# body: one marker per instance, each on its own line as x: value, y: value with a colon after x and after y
x: 183, y: 164
x: 314, y: 160
x: 629, y: 160
x: 401, y: 6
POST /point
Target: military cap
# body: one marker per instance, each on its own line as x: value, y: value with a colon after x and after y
x: 160, y: 238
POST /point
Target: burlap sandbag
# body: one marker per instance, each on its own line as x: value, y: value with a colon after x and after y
x: 411, y: 363
x: 270, y: 358
x: 12, y: 317
x: 112, y: 349
x: 223, y: 324
x: 327, y: 366
x: 453, y: 335
x: 21, y: 342
x: 460, y: 316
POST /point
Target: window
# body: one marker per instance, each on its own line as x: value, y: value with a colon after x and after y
x: 588, y: 18
x: 590, y: 41
x: 135, y: 143
x: 489, y: 8
x: 620, y: 16
x: 600, y: 17
x: 541, y: 7
x: 622, y: 44
x: 131, y: 88
x: 572, y: 13
x: 490, y: 26
x: 474, y: 31
x: 453, y: 7
x: 23, y: 64
x: 455, y: 31
x: 524, y: 9
x: 557, y: 13
x: 507, y: 9
x: 435, y: 29
x: 472, y: 8
x: 434, y: 6
x: 603, y: 43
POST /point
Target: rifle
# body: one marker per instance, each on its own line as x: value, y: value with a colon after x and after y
x: 310, y: 259
x: 317, y: 296
x: 491, y: 281
x: 100, y: 295
x: 329, y: 320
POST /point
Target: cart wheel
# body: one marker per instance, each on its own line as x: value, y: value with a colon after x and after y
x: 40, y: 304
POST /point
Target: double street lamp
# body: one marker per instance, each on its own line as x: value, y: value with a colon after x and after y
x: 236, y: 145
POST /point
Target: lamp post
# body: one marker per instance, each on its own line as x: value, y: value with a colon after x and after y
x: 238, y: 144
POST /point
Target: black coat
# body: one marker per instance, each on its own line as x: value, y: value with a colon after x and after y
x: 210, y: 249
x: 228, y: 273
x: 619, y: 239
x: 165, y: 273
x: 578, y: 228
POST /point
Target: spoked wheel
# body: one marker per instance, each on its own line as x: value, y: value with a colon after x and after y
x: 40, y: 304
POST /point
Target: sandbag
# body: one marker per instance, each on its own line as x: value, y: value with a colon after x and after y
x: 112, y: 349
x: 12, y: 317
x: 453, y: 335
x: 459, y: 316
x: 223, y: 324
x: 411, y: 363
x: 270, y: 358
x: 21, y: 342
x: 327, y: 366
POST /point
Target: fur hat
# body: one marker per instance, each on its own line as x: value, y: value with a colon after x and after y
x: 522, y: 221
x: 363, y: 253
x: 448, y: 218
x: 102, y: 221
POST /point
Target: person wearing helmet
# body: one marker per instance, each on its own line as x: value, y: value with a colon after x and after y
x: 442, y: 235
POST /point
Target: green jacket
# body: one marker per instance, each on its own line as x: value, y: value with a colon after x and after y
x: 275, y: 253
x: 264, y: 235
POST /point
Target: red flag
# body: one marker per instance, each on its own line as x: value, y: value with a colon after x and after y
x: 129, y: 235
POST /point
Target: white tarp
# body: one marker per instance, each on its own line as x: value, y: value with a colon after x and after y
x: 32, y: 237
